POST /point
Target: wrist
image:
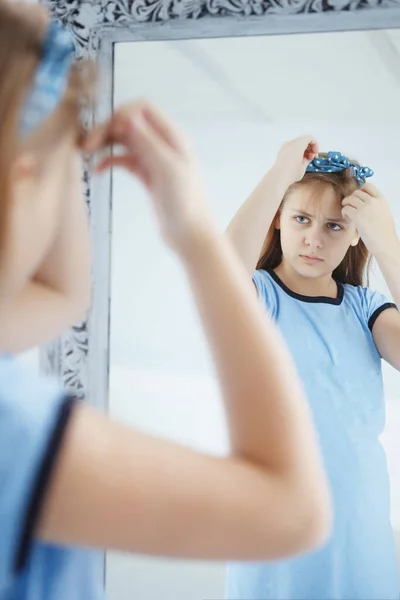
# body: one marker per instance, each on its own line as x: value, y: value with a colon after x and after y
x: 388, y: 249
x: 280, y: 178
x: 196, y: 239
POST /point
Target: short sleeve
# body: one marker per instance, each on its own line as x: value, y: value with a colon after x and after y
x: 266, y: 291
x: 374, y: 303
x: 34, y: 413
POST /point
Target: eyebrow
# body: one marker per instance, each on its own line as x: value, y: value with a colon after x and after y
x: 304, y: 213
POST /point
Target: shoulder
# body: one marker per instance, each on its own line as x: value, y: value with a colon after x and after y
x: 34, y: 412
x: 367, y: 302
x: 266, y: 289
x: 24, y: 393
x: 262, y: 279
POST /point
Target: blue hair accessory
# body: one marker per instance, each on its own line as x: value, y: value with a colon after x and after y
x: 50, y: 80
x: 337, y: 162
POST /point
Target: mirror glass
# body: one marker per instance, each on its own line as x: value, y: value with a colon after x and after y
x: 238, y: 99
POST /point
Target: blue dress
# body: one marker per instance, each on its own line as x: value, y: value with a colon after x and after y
x: 332, y: 345
x: 34, y: 416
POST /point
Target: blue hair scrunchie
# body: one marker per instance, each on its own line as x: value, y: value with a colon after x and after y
x: 50, y: 80
x: 335, y: 162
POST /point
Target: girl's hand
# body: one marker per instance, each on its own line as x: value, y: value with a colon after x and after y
x: 161, y: 158
x: 370, y: 213
x: 294, y: 157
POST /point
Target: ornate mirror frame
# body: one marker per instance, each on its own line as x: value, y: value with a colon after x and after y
x: 80, y: 358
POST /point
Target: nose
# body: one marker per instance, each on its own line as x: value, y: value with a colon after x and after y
x: 313, y: 239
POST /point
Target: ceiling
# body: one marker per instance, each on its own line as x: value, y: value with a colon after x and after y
x: 351, y: 77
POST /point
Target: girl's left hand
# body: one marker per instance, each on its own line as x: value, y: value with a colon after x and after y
x: 370, y: 213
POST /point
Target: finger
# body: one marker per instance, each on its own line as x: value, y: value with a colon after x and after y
x: 125, y: 125
x: 311, y: 151
x: 353, y: 201
x: 125, y: 162
x: 370, y: 189
x: 158, y: 121
x: 165, y: 127
x: 95, y: 139
x: 306, y: 139
x: 103, y: 137
x: 310, y: 145
x: 301, y: 141
x: 350, y: 212
x: 147, y: 144
x: 109, y: 162
x: 361, y: 195
x: 115, y: 131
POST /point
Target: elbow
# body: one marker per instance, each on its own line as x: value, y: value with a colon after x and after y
x: 316, y: 524
x: 80, y: 308
x: 81, y: 314
x: 310, y: 523
x: 82, y: 299
x: 305, y: 523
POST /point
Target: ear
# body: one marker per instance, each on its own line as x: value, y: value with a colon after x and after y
x: 355, y: 240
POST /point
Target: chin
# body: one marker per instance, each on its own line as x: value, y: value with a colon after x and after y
x: 311, y: 271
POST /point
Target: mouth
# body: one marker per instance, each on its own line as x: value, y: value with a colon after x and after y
x: 310, y: 259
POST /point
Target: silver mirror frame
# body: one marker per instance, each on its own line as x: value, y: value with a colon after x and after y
x: 80, y: 358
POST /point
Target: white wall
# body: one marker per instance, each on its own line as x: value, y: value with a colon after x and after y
x: 162, y: 380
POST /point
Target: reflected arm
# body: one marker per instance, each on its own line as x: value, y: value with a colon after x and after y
x: 248, y: 228
x: 386, y: 329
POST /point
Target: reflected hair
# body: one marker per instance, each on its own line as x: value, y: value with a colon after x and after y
x: 355, y: 266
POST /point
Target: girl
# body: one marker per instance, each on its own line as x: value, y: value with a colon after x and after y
x: 321, y: 226
x: 69, y: 476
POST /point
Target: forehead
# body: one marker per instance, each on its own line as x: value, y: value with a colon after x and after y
x: 317, y: 200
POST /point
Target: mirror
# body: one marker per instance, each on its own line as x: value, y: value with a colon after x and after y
x: 238, y: 99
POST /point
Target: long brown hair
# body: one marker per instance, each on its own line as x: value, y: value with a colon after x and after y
x: 355, y: 266
x: 21, y: 40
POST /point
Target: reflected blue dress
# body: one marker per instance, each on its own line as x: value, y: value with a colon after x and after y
x: 331, y: 342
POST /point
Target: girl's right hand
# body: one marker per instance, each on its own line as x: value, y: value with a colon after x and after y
x: 294, y: 157
x: 161, y: 158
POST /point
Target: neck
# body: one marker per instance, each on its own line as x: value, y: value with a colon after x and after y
x: 306, y: 286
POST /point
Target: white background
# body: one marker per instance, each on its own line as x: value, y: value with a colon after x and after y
x: 238, y: 99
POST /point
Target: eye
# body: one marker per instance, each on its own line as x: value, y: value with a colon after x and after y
x: 301, y: 217
x: 334, y: 227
